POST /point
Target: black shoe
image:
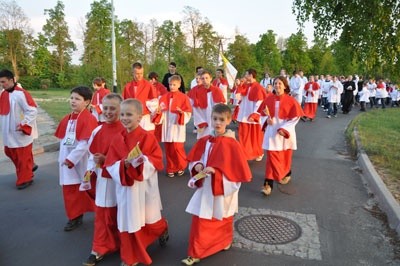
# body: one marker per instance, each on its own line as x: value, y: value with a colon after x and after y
x: 163, y: 239
x: 25, y: 185
x: 92, y: 260
x: 73, y: 224
x: 35, y: 167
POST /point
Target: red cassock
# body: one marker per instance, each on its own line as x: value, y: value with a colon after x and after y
x: 161, y: 90
x: 250, y: 134
x: 133, y: 245
x: 21, y: 157
x: 77, y: 202
x: 279, y: 162
x: 97, y: 98
x: 106, y: 235
x: 142, y: 90
x: 199, y: 96
x: 209, y: 236
x: 310, y: 108
x: 174, y: 150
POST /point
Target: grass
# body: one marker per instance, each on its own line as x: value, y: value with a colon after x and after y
x: 379, y: 133
x: 53, y: 101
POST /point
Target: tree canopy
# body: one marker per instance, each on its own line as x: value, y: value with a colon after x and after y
x: 366, y: 43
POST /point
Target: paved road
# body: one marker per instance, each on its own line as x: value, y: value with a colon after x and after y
x: 330, y: 204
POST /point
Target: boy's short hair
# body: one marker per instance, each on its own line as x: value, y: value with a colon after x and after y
x: 135, y: 103
x: 205, y: 71
x: 175, y: 78
x: 98, y: 81
x: 252, y: 71
x: 137, y: 65
x: 222, y: 108
x: 5, y: 73
x: 83, y: 91
x: 113, y: 95
x: 153, y: 75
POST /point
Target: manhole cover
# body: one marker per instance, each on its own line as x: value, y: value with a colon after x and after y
x: 268, y: 229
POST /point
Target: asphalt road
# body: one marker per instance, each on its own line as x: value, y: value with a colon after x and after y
x: 326, y: 185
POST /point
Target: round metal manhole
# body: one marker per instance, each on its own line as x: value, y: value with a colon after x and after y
x: 268, y: 229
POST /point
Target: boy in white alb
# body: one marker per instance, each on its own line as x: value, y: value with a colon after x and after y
x: 18, y: 120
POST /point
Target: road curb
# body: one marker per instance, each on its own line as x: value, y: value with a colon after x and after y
x: 385, y: 199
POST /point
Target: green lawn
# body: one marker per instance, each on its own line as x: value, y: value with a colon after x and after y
x: 379, y: 132
x: 53, y: 101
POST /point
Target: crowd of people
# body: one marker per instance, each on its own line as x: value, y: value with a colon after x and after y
x: 110, y: 154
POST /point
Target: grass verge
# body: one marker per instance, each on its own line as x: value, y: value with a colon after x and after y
x: 379, y: 132
x: 53, y: 101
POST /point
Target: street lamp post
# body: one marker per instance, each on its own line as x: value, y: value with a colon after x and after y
x: 114, y: 60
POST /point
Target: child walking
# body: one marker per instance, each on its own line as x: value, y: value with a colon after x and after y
x: 74, y: 132
x: 106, y: 235
x: 174, y: 113
x: 217, y: 181
x: 133, y: 161
x: 96, y: 105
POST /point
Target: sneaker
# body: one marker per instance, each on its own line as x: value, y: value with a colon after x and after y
x: 180, y: 172
x: 190, y: 261
x: 35, y: 167
x: 163, y: 239
x: 170, y: 174
x: 259, y: 158
x: 328, y: 116
x: 334, y: 115
x: 285, y: 180
x: 25, y: 185
x: 73, y: 224
x: 303, y: 118
x: 92, y: 260
x: 266, y: 190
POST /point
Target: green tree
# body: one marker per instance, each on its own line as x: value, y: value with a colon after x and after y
x: 130, y: 48
x: 344, y: 59
x: 370, y: 28
x: 316, y: 53
x: 267, y: 53
x: 97, y: 40
x: 295, y: 57
x: 170, y: 41
x: 56, y: 31
x: 241, y: 55
x: 15, y: 33
x: 41, y: 58
x: 209, y: 45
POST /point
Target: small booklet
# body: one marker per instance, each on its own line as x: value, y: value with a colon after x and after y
x: 135, y: 152
x: 199, y: 176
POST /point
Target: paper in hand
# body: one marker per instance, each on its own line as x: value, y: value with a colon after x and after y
x: 134, y: 153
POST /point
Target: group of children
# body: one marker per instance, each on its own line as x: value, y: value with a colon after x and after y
x: 109, y: 164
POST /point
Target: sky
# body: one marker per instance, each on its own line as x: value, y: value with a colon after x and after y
x: 250, y: 19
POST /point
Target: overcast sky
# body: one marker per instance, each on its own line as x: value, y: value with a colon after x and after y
x: 250, y: 18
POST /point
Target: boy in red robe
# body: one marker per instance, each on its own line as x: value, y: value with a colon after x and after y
x: 96, y: 105
x: 133, y: 161
x: 217, y: 181
x: 250, y: 134
x: 74, y: 132
x: 174, y: 113
x: 141, y: 89
x: 106, y: 235
x: 160, y: 90
x: 18, y: 113
x: 203, y: 98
